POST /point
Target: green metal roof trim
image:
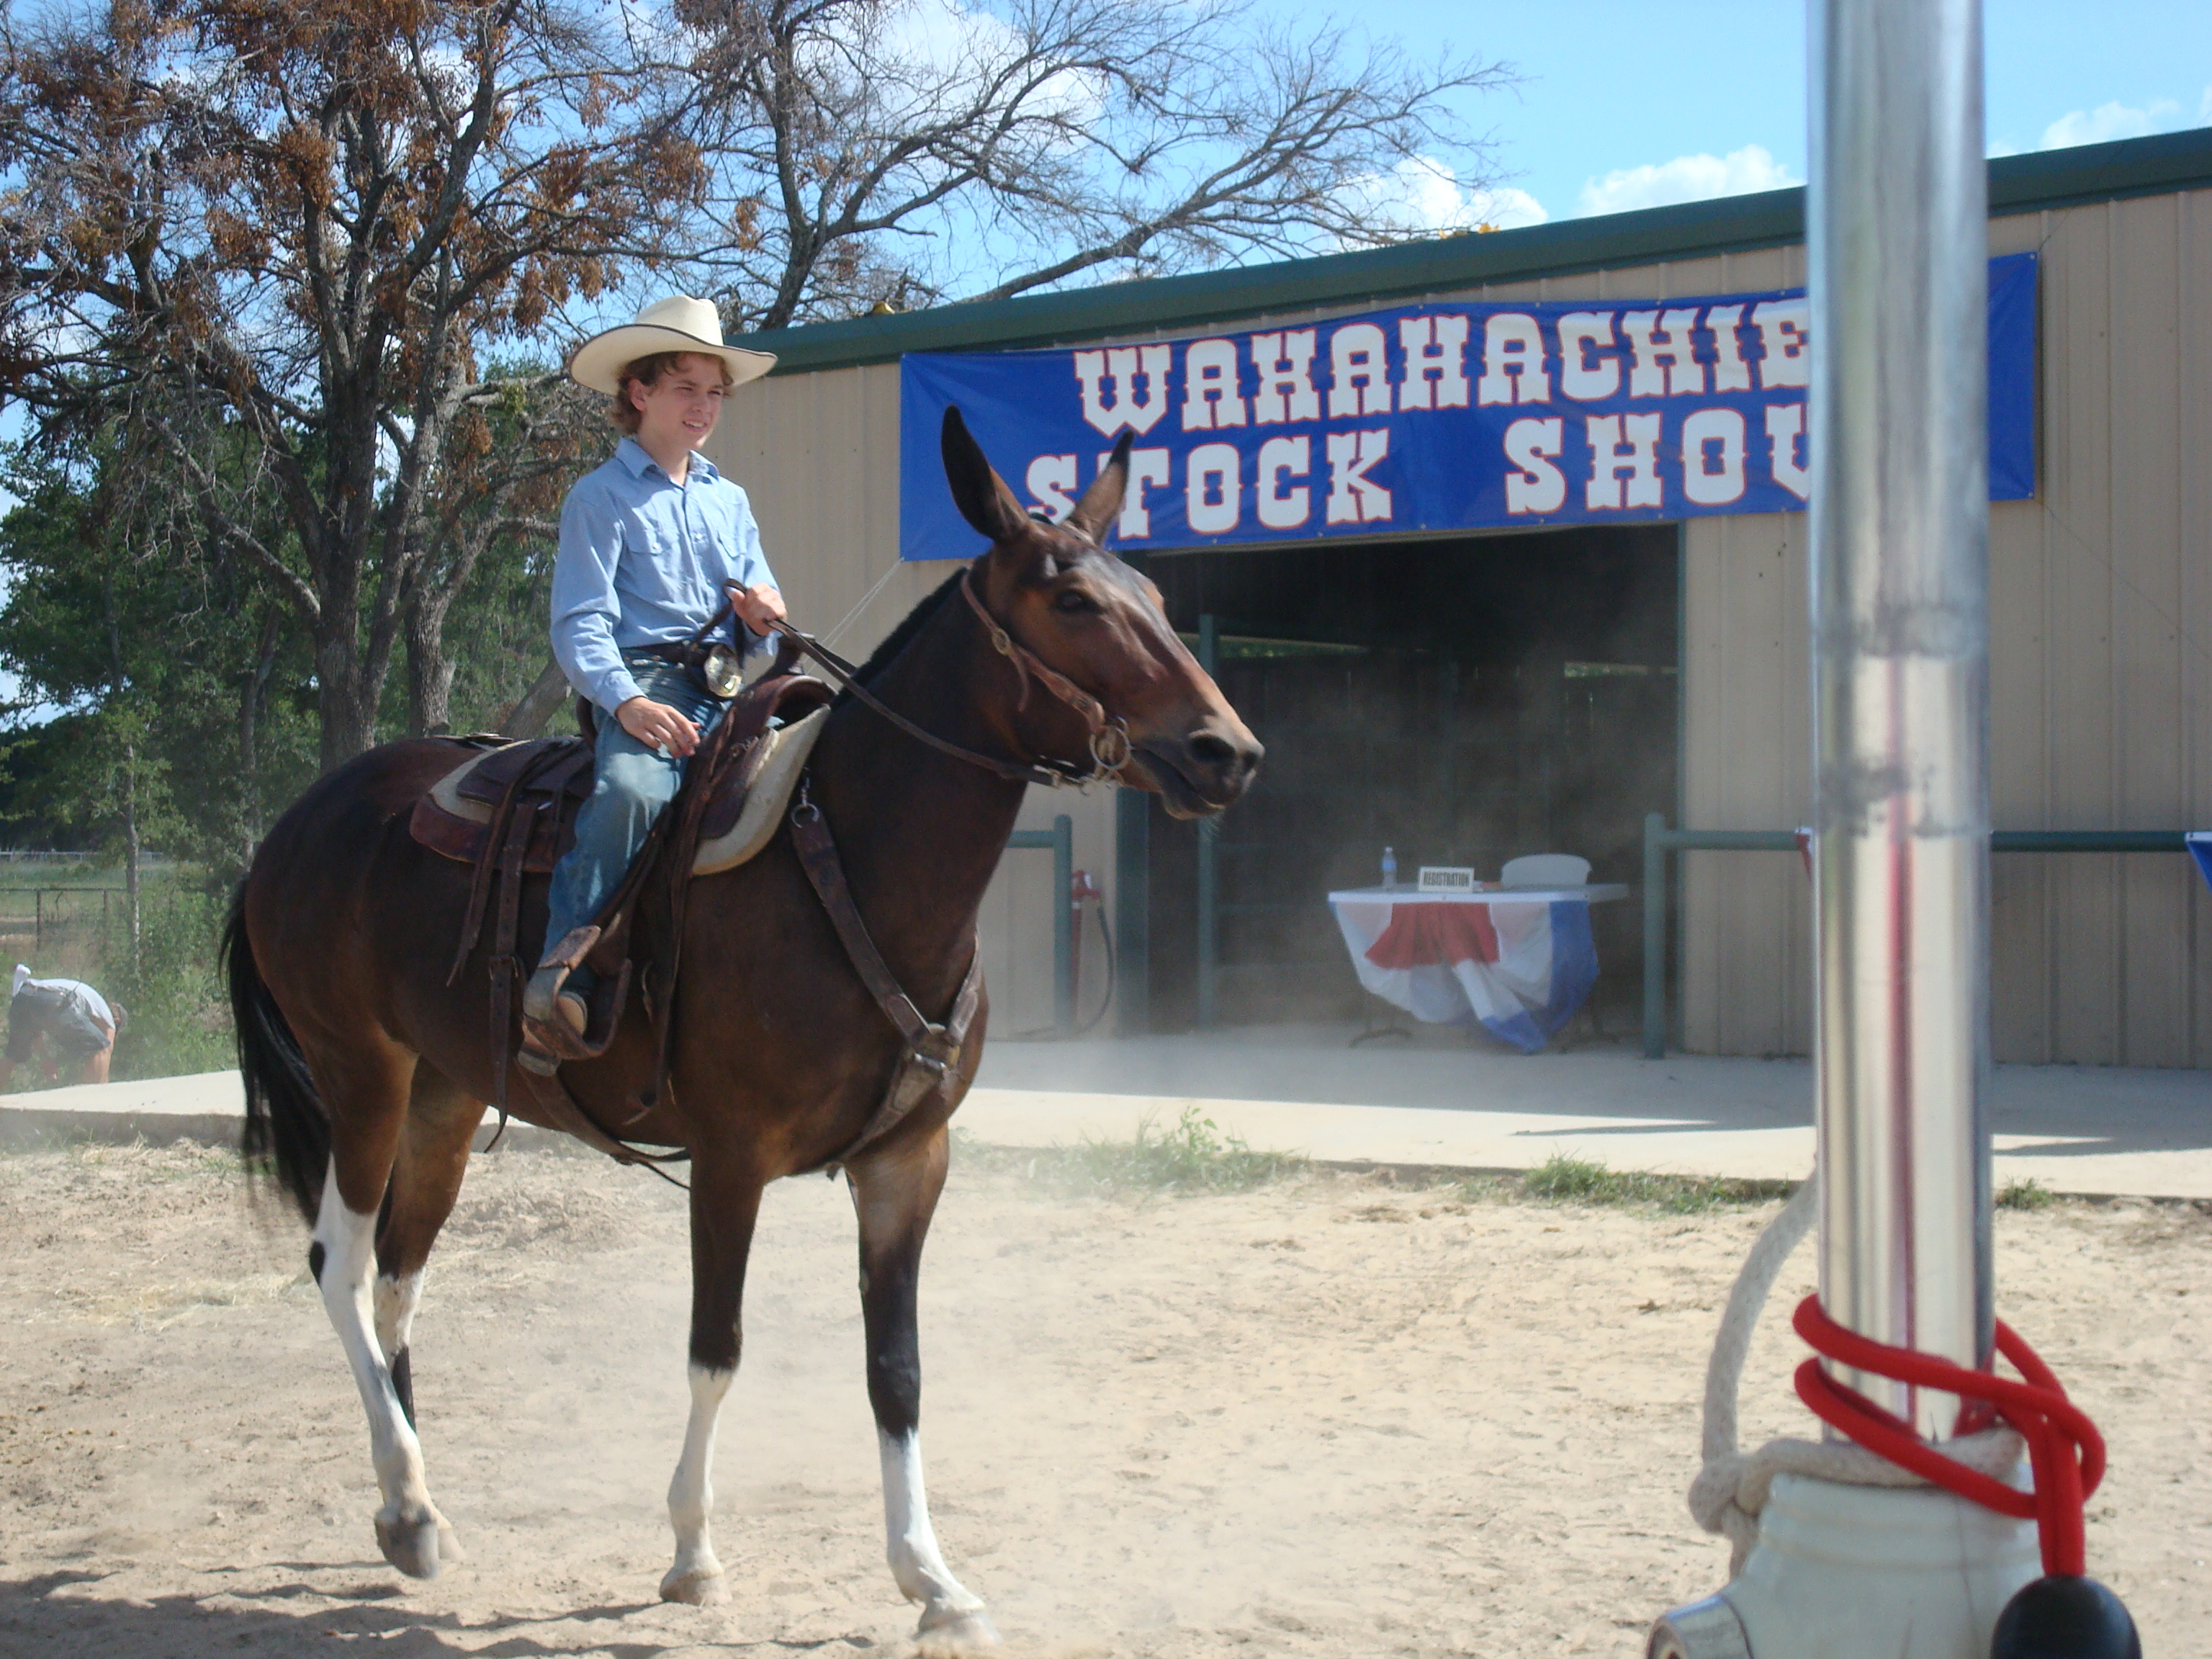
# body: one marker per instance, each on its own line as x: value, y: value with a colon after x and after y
x: 1730, y: 224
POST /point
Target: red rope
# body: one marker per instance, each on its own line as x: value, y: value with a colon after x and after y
x: 2064, y: 1447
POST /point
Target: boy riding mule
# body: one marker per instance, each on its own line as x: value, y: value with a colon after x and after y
x: 837, y: 1017
x: 651, y: 543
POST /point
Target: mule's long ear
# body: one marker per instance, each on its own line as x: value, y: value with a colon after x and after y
x: 979, y: 492
x: 1102, y: 503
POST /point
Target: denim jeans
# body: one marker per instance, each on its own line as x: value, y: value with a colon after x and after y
x: 631, y: 786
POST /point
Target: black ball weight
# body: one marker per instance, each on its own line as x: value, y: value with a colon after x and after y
x: 2065, y: 1617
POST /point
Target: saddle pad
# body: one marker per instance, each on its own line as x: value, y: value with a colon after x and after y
x: 766, y: 792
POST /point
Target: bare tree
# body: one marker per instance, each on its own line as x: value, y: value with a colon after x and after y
x: 308, y: 223
x: 281, y: 244
x: 903, y: 151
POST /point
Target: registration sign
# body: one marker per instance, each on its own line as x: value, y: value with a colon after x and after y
x: 1446, y: 878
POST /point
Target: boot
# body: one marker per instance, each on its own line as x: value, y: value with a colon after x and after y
x: 555, y: 1015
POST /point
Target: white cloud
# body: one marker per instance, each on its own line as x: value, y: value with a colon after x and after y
x: 1422, y: 196
x: 1686, y: 178
x: 2112, y: 120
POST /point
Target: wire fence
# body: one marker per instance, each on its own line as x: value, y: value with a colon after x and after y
x: 48, y: 918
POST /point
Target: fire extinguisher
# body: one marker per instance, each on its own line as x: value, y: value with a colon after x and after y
x: 1082, y: 892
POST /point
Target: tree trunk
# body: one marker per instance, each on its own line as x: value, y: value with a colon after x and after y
x: 131, y: 846
x: 249, y: 717
x: 346, y: 692
x: 429, y: 669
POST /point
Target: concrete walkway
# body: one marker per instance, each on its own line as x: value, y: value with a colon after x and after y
x: 1438, y: 1099
x: 1434, y: 1100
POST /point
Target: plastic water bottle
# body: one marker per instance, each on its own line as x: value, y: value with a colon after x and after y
x: 1389, y: 868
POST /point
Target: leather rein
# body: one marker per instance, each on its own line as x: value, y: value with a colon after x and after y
x: 1108, y: 733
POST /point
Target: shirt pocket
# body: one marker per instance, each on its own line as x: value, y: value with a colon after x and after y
x: 654, y: 568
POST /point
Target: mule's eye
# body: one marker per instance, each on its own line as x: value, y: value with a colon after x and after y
x: 1071, y: 601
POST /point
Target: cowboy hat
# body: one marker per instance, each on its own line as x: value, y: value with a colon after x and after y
x: 678, y: 323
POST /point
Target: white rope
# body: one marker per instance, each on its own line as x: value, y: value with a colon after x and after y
x: 1732, y: 1487
x: 865, y: 600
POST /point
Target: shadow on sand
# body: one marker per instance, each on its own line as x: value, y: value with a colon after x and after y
x: 49, y: 1616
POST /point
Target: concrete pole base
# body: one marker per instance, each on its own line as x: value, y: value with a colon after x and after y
x: 1843, y: 1572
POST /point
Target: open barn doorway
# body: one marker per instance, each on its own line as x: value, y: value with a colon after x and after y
x: 1460, y: 701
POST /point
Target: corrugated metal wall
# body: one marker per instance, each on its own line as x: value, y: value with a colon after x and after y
x: 2101, y: 649
x: 2101, y: 606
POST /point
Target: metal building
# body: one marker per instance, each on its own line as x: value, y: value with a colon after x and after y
x: 1491, y: 694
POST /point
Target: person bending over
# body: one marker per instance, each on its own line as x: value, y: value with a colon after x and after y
x: 59, y: 1022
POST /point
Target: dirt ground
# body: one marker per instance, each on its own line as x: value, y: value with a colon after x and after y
x: 1328, y: 1416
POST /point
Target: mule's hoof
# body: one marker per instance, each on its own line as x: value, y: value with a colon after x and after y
x: 449, y: 1544
x: 949, y: 1633
x: 697, y: 1587
x: 410, y: 1545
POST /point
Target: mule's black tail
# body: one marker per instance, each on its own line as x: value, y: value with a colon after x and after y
x: 288, y: 1131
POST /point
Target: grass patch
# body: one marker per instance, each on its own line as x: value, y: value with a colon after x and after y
x: 1194, y: 1156
x: 2028, y: 1194
x: 1561, y: 1179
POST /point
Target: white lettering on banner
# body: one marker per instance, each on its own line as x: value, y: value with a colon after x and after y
x: 1147, y: 467
x: 1214, y: 491
x: 1665, y: 362
x: 1730, y: 372
x: 1354, y: 497
x: 1583, y: 377
x: 1538, y: 486
x: 1639, y: 459
x: 1435, y: 362
x: 1784, y: 330
x: 1210, y: 397
x: 1707, y: 430
x: 1785, y: 424
x: 1357, y: 365
x: 1051, y: 480
x: 1124, y: 366
x: 1286, y: 387
x: 1281, y: 508
x: 1513, y: 361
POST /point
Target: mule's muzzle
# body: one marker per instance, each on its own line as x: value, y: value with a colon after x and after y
x: 1203, y: 771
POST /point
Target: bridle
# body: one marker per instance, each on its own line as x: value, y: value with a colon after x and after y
x: 1108, y: 733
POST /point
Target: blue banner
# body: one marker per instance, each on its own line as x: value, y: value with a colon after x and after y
x: 1431, y: 417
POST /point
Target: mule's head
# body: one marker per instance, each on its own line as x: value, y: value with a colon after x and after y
x: 1086, y: 614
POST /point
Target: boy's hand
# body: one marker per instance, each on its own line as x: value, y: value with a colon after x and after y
x: 757, y: 606
x: 657, y: 725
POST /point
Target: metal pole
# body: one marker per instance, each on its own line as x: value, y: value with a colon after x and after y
x: 1063, y: 923
x: 1898, y: 243
x: 1209, y: 832
x: 1132, y: 912
x: 1654, y: 937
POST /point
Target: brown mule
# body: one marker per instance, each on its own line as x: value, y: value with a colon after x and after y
x: 366, y: 1077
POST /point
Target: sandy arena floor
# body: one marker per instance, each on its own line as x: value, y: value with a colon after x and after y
x: 1326, y: 1418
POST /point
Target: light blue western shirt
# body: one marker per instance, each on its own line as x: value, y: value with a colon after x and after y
x: 641, y: 562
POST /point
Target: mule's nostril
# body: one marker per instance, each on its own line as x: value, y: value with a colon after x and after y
x: 1213, y: 751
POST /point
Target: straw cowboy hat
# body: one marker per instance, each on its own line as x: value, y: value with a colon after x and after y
x: 678, y: 323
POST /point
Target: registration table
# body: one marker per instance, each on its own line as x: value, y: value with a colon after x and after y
x: 1517, y: 960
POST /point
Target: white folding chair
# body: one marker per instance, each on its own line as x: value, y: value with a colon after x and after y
x: 1544, y: 870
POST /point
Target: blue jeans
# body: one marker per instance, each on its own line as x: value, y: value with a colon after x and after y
x: 632, y: 784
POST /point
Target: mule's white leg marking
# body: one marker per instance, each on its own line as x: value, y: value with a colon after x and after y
x: 407, y: 1526
x: 697, y: 1576
x: 910, y: 1544
x: 396, y: 1301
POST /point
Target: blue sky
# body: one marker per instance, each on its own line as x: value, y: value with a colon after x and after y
x: 1632, y: 103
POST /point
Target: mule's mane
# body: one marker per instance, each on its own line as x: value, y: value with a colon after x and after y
x: 901, y: 636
